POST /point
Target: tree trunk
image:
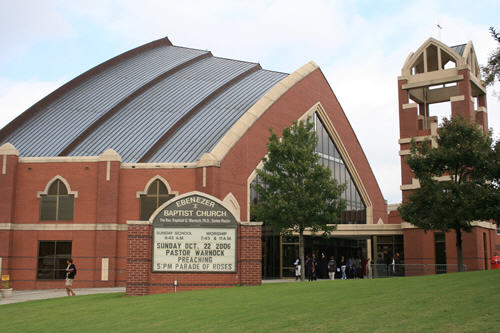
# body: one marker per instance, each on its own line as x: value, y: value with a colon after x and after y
x: 301, y: 254
x: 458, y: 232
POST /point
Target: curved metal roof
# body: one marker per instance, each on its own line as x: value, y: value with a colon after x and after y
x: 156, y: 103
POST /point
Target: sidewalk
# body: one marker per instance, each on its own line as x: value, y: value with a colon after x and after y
x: 31, y: 295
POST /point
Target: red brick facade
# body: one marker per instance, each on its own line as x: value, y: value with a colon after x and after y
x: 106, y: 201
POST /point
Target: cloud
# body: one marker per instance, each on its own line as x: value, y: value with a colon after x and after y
x: 15, y: 97
x: 25, y: 23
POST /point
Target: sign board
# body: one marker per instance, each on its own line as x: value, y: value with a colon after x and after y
x: 194, y: 234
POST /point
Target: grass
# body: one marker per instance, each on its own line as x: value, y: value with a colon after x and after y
x: 460, y: 302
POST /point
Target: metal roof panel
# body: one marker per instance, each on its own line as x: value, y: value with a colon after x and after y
x: 202, y: 132
x: 135, y: 128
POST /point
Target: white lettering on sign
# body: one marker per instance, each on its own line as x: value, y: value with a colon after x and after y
x: 194, y: 250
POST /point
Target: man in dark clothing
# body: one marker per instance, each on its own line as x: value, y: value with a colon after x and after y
x: 309, y: 264
x: 323, y: 267
x: 70, y: 275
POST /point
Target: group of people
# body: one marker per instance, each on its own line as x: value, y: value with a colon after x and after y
x: 329, y: 268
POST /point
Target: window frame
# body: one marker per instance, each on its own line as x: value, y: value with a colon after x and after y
x: 54, y: 258
x: 45, y: 195
x: 146, y: 195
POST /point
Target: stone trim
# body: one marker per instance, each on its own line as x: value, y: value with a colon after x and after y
x: 431, y: 78
x: 484, y: 224
x: 110, y: 155
x: 133, y: 222
x: 416, y: 138
x: 59, y: 159
x: 233, y: 205
x: 415, y: 183
x: 412, y: 57
x: 49, y: 183
x: 409, y: 106
x: 251, y: 224
x: 8, y: 149
x: 151, y: 180
x: 480, y: 224
x: 361, y: 230
x: 457, y: 98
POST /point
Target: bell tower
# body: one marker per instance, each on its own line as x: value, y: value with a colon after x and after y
x: 436, y: 73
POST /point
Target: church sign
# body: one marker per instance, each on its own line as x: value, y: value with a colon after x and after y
x: 194, y: 234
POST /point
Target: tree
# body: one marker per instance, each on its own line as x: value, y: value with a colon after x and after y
x: 492, y: 70
x: 463, y: 157
x: 297, y: 192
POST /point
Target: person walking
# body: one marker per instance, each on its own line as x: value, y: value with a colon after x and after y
x: 308, y: 268
x: 381, y: 266
x: 397, y: 264
x: 343, y: 267
x: 70, y: 276
x: 332, y: 268
x: 315, y: 270
x: 323, y: 267
x: 297, y: 269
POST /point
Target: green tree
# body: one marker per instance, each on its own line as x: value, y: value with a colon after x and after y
x: 492, y: 70
x: 297, y: 192
x: 463, y: 158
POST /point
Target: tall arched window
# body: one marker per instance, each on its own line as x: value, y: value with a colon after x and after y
x: 57, y: 204
x: 155, y: 196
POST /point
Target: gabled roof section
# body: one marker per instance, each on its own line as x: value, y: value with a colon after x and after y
x: 433, y: 55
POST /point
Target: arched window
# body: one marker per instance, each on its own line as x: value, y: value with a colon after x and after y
x: 155, y: 196
x: 57, y: 204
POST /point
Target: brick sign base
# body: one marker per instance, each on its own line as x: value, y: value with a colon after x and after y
x: 141, y: 280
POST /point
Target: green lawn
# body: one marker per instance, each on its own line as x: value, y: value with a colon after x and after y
x: 460, y: 302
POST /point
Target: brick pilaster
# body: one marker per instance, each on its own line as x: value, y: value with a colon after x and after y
x: 138, y: 259
x: 251, y: 253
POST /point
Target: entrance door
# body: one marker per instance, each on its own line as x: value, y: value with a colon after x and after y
x: 440, y: 252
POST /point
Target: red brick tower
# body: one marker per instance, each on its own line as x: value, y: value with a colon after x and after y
x: 436, y: 73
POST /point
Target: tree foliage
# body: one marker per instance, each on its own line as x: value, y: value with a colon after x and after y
x: 296, y: 191
x: 458, y: 180
x: 491, y: 71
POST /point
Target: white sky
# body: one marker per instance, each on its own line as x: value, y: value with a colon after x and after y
x: 359, y: 45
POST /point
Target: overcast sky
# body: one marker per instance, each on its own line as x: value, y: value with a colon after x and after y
x: 359, y: 45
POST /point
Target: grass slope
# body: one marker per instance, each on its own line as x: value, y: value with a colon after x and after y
x: 462, y: 302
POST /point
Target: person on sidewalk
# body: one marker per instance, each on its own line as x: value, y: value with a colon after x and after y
x: 297, y: 269
x: 70, y: 276
x: 332, y: 268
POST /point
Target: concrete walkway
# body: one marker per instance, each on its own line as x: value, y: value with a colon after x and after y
x: 31, y: 295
